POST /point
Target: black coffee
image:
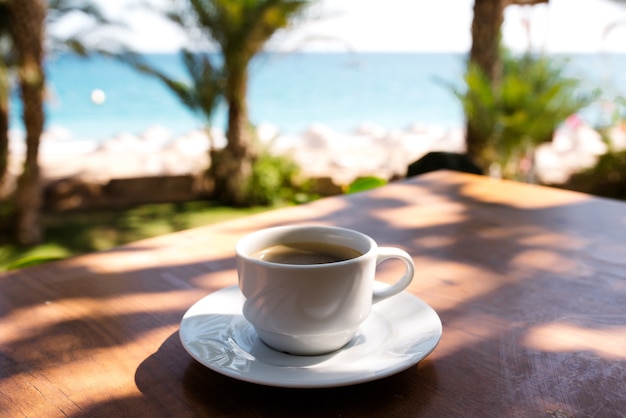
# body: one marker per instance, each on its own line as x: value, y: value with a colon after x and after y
x: 306, y: 253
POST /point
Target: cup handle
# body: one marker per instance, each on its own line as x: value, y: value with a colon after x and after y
x: 385, y: 253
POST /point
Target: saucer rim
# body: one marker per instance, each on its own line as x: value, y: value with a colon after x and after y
x: 233, y: 291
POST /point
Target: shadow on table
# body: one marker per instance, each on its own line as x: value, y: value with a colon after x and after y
x: 525, y: 268
x: 213, y: 394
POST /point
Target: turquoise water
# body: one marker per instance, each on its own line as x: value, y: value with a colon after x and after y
x: 290, y: 91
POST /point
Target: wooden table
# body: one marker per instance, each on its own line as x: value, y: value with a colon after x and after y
x: 529, y: 282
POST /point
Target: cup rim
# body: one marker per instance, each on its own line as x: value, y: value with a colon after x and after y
x: 285, y: 229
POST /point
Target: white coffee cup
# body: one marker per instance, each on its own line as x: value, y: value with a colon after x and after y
x: 310, y: 309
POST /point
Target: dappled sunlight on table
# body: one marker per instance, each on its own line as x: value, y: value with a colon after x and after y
x: 465, y: 332
x: 605, y: 340
x: 533, y: 197
x: 528, y: 283
x: 429, y: 216
x: 539, y: 237
x: 448, y: 284
x: 545, y: 260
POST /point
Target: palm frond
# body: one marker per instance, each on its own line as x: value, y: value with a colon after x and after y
x: 200, y: 94
x: 57, y: 9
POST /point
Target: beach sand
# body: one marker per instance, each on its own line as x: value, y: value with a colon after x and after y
x: 319, y: 150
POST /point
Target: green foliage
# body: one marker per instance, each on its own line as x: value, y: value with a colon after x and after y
x: 607, y: 178
x: 13, y: 257
x: 615, y: 114
x: 276, y: 179
x: 74, y: 233
x: 241, y: 28
x: 363, y: 184
x: 89, y: 32
x: 611, y: 167
x: 33, y: 261
x: 201, y: 93
x: 238, y: 30
x: 270, y: 175
x: 522, y: 110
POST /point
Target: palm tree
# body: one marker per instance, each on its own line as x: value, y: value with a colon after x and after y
x: 485, y: 54
x: 27, y: 33
x: 87, y: 38
x: 615, y: 24
x: 522, y: 111
x: 4, y: 123
x: 239, y: 29
x: 22, y: 37
x: 7, y: 58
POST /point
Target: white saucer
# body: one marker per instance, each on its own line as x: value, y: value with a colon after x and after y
x: 399, y: 332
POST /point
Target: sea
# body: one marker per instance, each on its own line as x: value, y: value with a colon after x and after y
x: 97, y: 98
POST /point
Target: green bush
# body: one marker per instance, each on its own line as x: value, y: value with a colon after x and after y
x: 521, y: 110
x: 363, y: 184
x: 607, y: 178
x: 276, y: 179
x: 77, y: 232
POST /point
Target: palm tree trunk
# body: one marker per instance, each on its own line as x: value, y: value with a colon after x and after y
x: 4, y: 127
x: 27, y: 27
x: 486, y: 24
x: 488, y: 18
x: 231, y: 167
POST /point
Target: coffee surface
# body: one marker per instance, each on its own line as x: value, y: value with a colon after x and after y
x: 303, y: 253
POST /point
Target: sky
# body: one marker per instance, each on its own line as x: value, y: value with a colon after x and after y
x: 417, y: 25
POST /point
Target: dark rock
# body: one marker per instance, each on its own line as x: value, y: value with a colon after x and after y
x: 439, y: 160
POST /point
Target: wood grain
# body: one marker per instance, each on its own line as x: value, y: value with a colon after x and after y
x: 530, y: 284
